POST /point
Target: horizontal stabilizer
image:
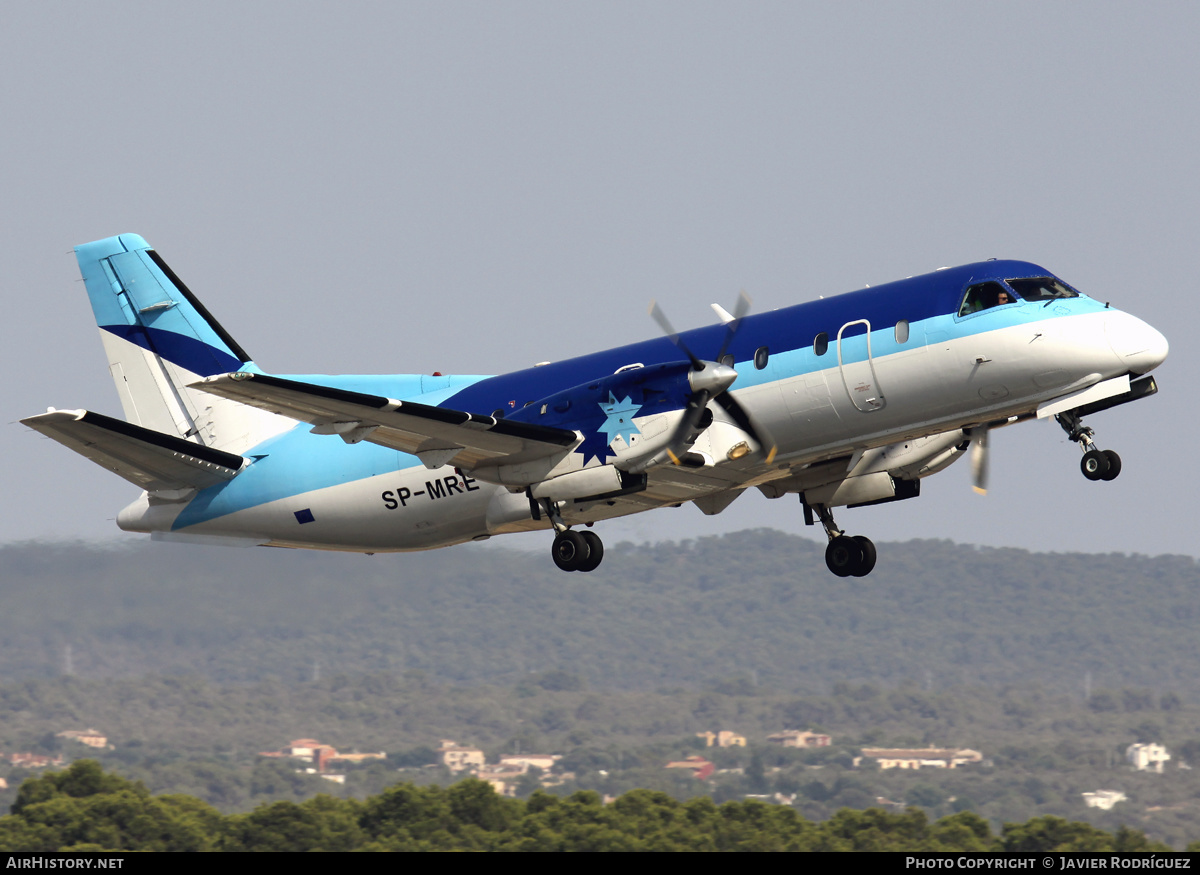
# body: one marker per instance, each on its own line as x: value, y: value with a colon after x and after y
x: 157, y: 462
x: 429, y: 432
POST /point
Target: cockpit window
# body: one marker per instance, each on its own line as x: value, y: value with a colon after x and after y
x: 983, y: 296
x: 1043, y: 288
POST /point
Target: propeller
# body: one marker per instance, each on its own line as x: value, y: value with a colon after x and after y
x: 740, y: 309
x: 709, y: 380
x: 979, y: 458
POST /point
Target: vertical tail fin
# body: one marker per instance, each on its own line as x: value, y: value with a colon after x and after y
x: 158, y: 338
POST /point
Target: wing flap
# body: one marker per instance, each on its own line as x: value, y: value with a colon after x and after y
x: 157, y: 462
x: 431, y: 433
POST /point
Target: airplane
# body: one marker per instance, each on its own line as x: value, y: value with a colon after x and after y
x: 844, y: 401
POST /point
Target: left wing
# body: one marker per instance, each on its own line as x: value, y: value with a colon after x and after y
x: 436, y: 435
x: 163, y: 464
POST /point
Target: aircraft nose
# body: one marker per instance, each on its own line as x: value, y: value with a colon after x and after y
x: 1140, y: 346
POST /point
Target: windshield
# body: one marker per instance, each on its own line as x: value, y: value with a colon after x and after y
x: 984, y: 296
x: 1043, y: 288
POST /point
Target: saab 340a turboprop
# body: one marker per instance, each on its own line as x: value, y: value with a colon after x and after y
x: 844, y: 401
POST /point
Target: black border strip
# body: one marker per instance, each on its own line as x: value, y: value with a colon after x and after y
x: 557, y: 436
x: 377, y: 402
x: 165, y: 441
x: 200, y: 308
x: 544, y: 433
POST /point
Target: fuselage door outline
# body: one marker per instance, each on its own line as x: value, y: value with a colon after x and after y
x: 859, y: 378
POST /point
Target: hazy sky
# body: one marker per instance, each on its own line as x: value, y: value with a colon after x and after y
x: 474, y: 187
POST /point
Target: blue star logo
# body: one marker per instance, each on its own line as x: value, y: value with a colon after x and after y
x: 618, y: 422
x: 620, y: 418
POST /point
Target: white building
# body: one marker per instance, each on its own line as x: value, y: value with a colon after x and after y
x: 1104, y: 799
x: 1147, y: 757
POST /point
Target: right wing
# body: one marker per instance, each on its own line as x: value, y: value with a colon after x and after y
x: 436, y: 435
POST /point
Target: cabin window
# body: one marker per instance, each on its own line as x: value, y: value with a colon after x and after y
x: 727, y: 360
x: 761, y: 355
x: 902, y: 331
x: 984, y: 296
x: 821, y: 343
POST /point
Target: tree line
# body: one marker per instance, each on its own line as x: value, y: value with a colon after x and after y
x: 86, y: 809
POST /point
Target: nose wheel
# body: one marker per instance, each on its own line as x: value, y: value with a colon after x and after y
x: 1100, y: 465
x: 1096, y: 464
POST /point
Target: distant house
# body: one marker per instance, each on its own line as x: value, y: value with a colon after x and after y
x: 33, y: 760
x: 457, y: 758
x: 701, y: 768
x: 796, y: 738
x: 920, y: 758
x: 1104, y: 799
x: 527, y: 761
x: 1147, y: 757
x: 309, y: 750
x: 90, y: 737
x: 722, y: 738
x: 357, y: 757
x: 503, y: 779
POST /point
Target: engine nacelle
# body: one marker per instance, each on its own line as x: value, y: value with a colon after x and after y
x: 636, y: 410
x: 889, y: 473
x: 601, y: 481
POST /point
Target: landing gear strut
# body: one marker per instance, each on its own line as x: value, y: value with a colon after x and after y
x: 846, y: 556
x: 1097, y: 464
x: 573, y: 551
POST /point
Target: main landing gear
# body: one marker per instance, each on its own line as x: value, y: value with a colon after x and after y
x: 846, y: 555
x: 572, y: 551
x: 577, y: 551
x: 1096, y: 464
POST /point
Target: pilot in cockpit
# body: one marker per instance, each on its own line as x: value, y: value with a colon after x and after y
x: 984, y: 296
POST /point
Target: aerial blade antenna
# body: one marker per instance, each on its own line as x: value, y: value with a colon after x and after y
x: 979, y: 458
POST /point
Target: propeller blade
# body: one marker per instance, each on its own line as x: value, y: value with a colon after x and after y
x: 661, y: 318
x: 743, y: 421
x: 719, y: 378
x: 739, y: 311
x: 689, y: 424
x: 979, y: 458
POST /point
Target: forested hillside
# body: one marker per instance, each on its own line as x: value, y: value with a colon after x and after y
x: 757, y: 605
x: 192, y: 661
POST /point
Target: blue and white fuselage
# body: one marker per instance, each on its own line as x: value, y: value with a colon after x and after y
x: 844, y: 400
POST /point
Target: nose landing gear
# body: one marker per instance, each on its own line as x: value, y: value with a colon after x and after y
x: 1096, y: 464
